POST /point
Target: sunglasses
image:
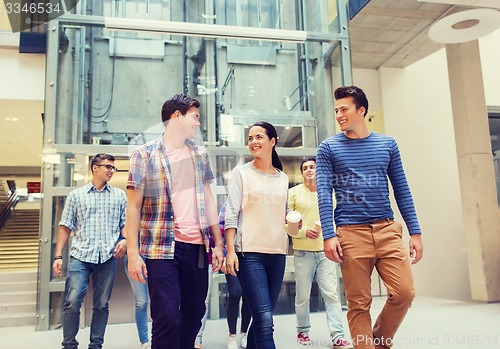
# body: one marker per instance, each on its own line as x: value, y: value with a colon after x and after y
x: 109, y: 167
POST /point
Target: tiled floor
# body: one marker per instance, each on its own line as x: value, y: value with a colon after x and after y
x: 431, y: 323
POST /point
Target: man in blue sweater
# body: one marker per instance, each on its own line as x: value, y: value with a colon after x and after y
x: 357, y: 165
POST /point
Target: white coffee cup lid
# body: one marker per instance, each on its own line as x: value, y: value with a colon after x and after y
x: 293, y: 217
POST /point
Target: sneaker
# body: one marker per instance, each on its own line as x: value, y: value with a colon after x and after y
x: 145, y: 345
x: 232, y: 342
x: 341, y: 343
x: 303, y: 338
x: 243, y: 340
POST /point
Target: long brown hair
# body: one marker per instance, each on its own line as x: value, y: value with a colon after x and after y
x: 271, y: 133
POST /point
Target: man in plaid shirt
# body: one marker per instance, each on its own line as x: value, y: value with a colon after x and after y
x: 95, y: 213
x: 171, y: 208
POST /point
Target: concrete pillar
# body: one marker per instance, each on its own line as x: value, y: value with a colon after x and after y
x: 476, y: 173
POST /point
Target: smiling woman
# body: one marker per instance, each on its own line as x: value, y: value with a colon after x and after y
x: 256, y: 241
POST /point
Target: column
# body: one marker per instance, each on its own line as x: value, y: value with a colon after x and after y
x: 476, y: 173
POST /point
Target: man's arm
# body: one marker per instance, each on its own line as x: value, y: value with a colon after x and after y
x: 402, y: 192
x: 121, y: 245
x: 213, y: 223
x: 62, y: 239
x: 324, y: 185
x: 404, y: 199
x: 136, y: 266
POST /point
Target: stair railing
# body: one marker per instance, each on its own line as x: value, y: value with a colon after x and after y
x: 7, y: 207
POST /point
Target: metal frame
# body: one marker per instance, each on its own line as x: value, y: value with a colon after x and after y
x: 46, y: 286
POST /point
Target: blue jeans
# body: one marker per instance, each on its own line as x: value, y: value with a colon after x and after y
x: 309, y: 265
x: 235, y: 293
x: 178, y: 289
x: 140, y: 291
x: 199, y: 336
x: 261, y: 276
x: 77, y: 281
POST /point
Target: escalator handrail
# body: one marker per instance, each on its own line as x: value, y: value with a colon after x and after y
x: 7, y: 207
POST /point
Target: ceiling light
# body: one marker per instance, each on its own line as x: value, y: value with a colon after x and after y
x: 13, y: 119
x: 465, y: 26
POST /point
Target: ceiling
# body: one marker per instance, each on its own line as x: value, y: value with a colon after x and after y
x: 20, y: 133
x: 385, y: 33
x: 393, y: 33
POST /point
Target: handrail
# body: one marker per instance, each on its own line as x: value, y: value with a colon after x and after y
x: 7, y: 207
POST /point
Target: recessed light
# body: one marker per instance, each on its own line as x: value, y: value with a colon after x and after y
x: 13, y: 119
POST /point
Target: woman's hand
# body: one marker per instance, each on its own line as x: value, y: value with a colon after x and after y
x: 232, y: 263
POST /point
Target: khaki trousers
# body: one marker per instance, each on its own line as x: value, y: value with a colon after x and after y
x: 377, y: 244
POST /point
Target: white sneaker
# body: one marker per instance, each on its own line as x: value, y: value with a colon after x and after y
x: 243, y: 340
x: 145, y: 345
x: 232, y: 342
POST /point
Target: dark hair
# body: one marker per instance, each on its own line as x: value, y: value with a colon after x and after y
x: 271, y: 133
x: 178, y: 102
x: 97, y: 159
x: 356, y: 93
x: 306, y: 159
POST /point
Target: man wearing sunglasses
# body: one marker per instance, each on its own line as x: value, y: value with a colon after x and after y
x: 95, y: 213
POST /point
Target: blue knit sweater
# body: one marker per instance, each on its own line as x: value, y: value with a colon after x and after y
x: 358, y: 171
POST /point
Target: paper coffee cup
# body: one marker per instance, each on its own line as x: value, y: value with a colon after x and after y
x: 293, y: 219
x: 317, y: 226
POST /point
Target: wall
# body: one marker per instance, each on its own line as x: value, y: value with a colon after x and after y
x: 23, y: 75
x: 490, y: 51
x: 417, y: 112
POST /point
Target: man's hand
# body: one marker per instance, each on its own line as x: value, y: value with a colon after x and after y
x: 312, y: 233
x: 121, y: 248
x: 137, y: 268
x: 416, y: 248
x: 57, y: 267
x: 217, y: 258
x: 223, y: 268
x: 333, y: 251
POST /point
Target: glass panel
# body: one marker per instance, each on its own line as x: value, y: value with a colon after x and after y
x: 57, y: 210
x: 111, y: 86
x: 494, y: 122
x: 56, y: 310
x: 113, y: 94
x: 65, y: 171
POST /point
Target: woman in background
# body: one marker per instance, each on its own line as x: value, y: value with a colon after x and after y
x: 235, y: 293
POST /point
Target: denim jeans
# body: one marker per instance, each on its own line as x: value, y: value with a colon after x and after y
x: 261, y: 276
x: 310, y: 265
x: 177, y: 289
x: 199, y: 336
x: 233, y: 306
x: 140, y: 291
x: 77, y: 281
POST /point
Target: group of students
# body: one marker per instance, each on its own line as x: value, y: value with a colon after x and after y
x: 171, y: 216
